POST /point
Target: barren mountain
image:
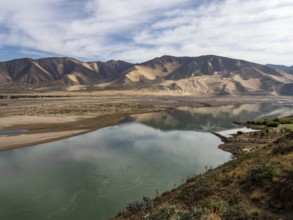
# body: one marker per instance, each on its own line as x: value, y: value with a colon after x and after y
x: 280, y: 67
x: 66, y: 71
x: 204, y: 75
x: 207, y: 75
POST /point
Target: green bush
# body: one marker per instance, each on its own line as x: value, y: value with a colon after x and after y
x: 259, y: 174
x: 277, y: 120
x: 272, y: 124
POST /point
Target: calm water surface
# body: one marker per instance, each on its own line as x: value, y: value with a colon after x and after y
x: 92, y: 176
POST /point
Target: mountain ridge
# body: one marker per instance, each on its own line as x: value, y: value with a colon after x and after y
x: 208, y: 74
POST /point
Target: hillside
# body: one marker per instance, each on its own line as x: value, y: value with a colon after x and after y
x: 62, y: 71
x: 204, y: 75
x: 280, y: 67
x: 207, y: 75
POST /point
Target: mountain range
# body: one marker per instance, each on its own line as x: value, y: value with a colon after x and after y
x: 203, y: 75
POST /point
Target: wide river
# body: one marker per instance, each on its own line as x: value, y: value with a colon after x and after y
x: 92, y: 176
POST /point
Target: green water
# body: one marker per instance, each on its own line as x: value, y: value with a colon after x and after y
x: 92, y: 176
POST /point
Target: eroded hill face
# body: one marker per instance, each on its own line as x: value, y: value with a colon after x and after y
x: 207, y: 75
x: 204, y: 75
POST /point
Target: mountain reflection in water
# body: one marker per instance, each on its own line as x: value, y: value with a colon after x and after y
x: 211, y: 118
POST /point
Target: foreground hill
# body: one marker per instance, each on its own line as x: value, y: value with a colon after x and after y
x: 204, y: 75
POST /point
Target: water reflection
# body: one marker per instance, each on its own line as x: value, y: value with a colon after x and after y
x: 211, y: 118
x: 93, y: 175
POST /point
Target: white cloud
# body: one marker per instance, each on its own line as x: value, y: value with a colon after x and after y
x: 258, y: 31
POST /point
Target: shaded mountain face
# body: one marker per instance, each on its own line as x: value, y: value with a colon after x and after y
x: 282, y: 68
x: 204, y: 75
x: 287, y: 89
x: 67, y: 71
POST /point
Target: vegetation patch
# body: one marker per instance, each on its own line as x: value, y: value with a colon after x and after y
x: 271, y: 122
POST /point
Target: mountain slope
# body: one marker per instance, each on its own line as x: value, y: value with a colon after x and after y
x: 207, y: 75
x: 68, y: 71
x: 280, y: 67
x: 204, y: 75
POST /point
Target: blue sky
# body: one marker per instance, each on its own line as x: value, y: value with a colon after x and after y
x: 137, y: 30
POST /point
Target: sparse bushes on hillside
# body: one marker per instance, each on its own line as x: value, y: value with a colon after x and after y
x: 259, y: 174
x: 282, y: 148
x: 202, y: 189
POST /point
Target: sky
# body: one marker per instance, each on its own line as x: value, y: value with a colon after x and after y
x: 260, y: 31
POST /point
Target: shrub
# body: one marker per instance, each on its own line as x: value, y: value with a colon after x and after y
x: 234, y: 197
x: 234, y: 212
x: 276, y: 120
x: 227, y: 180
x: 282, y: 148
x: 202, y: 189
x: 146, y: 205
x: 259, y: 174
x: 272, y: 124
x: 214, y: 205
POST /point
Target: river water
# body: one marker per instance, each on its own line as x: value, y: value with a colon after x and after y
x: 92, y: 176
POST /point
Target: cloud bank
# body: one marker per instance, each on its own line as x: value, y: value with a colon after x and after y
x: 259, y: 31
